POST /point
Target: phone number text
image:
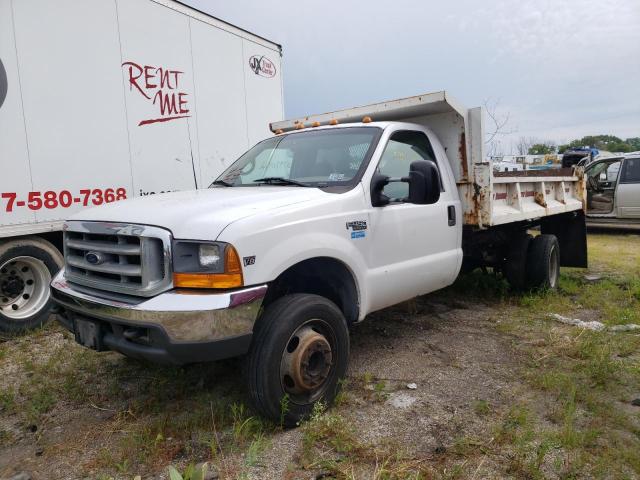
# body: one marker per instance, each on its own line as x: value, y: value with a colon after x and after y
x: 63, y: 198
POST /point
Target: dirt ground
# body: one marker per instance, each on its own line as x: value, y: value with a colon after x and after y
x: 481, y: 406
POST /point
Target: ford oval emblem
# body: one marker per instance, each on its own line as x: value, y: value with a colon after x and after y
x: 262, y: 66
x: 94, y: 258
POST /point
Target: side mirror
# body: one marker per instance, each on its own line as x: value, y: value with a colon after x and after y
x: 378, y: 182
x: 424, y: 182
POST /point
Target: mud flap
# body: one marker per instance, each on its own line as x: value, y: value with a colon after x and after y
x: 571, y: 231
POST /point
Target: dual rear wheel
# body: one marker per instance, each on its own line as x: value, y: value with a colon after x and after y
x: 533, y: 262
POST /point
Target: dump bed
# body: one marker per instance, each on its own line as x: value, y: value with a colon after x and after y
x: 488, y: 198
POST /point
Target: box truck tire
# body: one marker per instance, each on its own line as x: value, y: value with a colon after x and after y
x: 299, y: 354
x: 26, y: 268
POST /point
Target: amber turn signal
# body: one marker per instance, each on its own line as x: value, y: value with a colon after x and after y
x: 231, y: 278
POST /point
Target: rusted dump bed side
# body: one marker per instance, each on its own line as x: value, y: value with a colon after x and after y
x: 487, y: 198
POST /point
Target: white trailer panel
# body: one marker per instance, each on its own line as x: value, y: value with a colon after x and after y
x: 129, y: 97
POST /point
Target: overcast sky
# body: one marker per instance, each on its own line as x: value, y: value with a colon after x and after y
x: 560, y: 69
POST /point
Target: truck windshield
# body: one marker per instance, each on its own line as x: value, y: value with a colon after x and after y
x: 314, y: 158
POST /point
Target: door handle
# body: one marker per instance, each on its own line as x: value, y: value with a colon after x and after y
x: 451, y: 212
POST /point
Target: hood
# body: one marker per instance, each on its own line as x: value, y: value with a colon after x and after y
x: 200, y: 214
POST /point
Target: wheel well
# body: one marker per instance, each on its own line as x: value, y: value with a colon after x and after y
x: 322, y: 276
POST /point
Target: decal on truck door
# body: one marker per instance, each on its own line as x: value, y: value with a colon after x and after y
x: 261, y: 65
x: 161, y: 87
x: 4, y: 84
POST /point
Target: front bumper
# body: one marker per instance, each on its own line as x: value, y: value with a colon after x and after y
x: 178, y: 326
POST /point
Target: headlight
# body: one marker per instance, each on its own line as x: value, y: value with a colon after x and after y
x: 209, y: 255
x: 206, y: 265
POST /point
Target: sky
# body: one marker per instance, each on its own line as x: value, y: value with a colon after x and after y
x: 558, y: 70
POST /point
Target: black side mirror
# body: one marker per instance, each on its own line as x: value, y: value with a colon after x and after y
x: 424, y: 182
x: 378, y: 182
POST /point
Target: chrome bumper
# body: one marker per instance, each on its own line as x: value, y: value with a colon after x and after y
x: 186, y: 316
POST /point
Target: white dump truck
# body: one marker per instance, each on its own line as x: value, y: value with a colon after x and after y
x: 106, y: 100
x: 334, y: 217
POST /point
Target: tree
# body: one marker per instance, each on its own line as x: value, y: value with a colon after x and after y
x: 633, y: 142
x: 541, y: 148
x: 496, y: 127
x: 523, y: 144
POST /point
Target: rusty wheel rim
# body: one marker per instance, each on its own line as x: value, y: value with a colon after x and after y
x: 307, y: 362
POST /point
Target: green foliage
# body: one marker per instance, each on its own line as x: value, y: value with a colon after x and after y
x: 610, y: 143
x: 192, y: 472
x: 541, y: 149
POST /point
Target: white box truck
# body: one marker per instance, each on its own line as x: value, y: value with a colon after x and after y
x: 102, y: 100
x: 334, y: 217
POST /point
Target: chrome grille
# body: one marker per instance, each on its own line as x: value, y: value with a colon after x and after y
x: 124, y: 258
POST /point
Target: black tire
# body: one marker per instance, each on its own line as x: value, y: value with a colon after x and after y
x: 275, y: 343
x: 45, y: 261
x: 515, y: 268
x: 543, y: 262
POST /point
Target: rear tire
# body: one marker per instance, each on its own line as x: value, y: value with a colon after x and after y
x: 543, y: 262
x: 298, y: 356
x: 26, y: 268
x: 515, y: 268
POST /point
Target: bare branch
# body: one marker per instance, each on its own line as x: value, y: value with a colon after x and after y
x: 497, y: 122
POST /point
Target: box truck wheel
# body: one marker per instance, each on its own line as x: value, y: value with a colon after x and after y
x: 299, y: 353
x: 543, y: 262
x: 26, y: 268
x: 515, y: 268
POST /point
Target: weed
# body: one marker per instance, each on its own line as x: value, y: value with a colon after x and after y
x: 284, y: 408
x: 481, y: 407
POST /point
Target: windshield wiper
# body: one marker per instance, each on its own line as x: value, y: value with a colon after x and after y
x: 281, y: 181
x: 223, y: 183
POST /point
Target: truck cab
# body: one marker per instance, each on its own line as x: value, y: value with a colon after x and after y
x: 613, y: 191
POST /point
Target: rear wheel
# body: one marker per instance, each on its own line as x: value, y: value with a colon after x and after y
x: 543, y: 262
x: 26, y: 268
x: 299, y: 353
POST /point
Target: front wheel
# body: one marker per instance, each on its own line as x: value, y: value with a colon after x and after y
x: 26, y: 268
x: 299, y: 353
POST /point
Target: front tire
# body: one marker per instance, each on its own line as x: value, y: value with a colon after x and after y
x: 543, y: 262
x: 26, y: 268
x: 298, y: 356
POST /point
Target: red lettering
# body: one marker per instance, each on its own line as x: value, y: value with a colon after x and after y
x: 167, y: 102
x: 148, y: 76
x: 182, y: 101
x: 164, y: 78
x: 176, y: 73
x: 133, y: 80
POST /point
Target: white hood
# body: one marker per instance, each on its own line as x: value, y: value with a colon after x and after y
x: 200, y: 214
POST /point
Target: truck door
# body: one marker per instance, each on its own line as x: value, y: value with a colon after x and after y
x: 414, y: 248
x: 628, y: 193
x: 602, y: 179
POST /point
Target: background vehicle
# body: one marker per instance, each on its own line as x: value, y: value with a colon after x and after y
x: 308, y: 232
x: 578, y: 155
x: 613, y: 192
x: 130, y: 98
